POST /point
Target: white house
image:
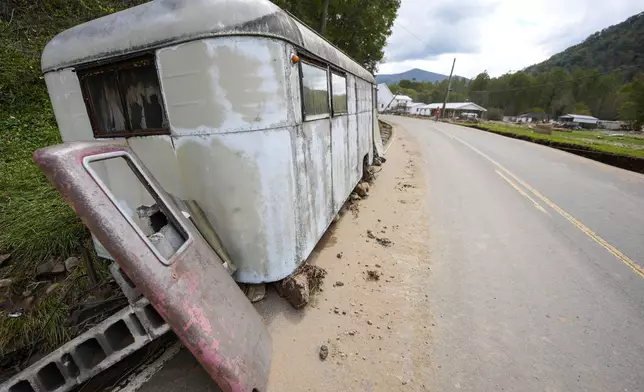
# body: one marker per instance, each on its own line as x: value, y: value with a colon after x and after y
x: 453, y: 109
x: 414, y: 108
x: 401, y: 102
x: 385, y: 97
x: 390, y: 101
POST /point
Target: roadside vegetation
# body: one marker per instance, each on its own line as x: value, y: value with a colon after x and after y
x: 611, y: 142
x: 36, y: 225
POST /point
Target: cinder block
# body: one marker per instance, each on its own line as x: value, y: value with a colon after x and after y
x: 151, y: 320
x: 127, y: 286
x: 92, y: 352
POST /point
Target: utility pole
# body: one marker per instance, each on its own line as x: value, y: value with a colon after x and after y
x: 325, y: 11
x: 449, y: 87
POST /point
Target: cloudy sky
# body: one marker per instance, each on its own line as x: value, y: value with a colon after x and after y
x: 494, y: 35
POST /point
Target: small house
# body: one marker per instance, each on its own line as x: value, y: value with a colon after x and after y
x: 414, y: 108
x: 532, y: 117
x: 582, y: 120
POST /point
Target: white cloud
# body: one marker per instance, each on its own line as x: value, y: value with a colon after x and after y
x: 497, y: 35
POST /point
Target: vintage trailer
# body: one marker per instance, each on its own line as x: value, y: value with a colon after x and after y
x: 256, y: 125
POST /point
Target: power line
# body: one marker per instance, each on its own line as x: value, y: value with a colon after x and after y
x: 410, y: 33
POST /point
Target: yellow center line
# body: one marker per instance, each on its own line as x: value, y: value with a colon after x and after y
x: 610, y: 248
x: 516, y: 187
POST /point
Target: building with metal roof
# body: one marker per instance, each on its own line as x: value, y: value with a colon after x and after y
x: 579, y: 119
x: 453, y: 109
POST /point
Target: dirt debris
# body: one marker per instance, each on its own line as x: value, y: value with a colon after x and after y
x: 386, y: 242
x: 373, y: 275
x: 339, y: 283
x: 362, y: 189
x: 298, y: 287
x: 254, y: 292
x: 50, y: 268
x: 324, y: 352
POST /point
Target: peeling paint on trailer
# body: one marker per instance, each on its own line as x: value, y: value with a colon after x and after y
x: 244, y: 183
x: 69, y: 107
x: 313, y: 183
x: 268, y: 183
x: 365, y: 121
x: 341, y: 151
x: 230, y: 84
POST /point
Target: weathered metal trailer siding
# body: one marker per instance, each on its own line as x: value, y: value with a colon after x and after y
x: 267, y: 181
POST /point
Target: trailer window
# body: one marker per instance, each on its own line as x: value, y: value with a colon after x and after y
x: 124, y: 98
x: 339, y: 91
x: 315, y: 91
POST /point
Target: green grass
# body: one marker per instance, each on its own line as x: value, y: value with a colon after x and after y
x: 628, y: 146
x: 35, y: 223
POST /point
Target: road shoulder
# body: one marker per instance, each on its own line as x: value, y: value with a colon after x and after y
x: 377, y: 331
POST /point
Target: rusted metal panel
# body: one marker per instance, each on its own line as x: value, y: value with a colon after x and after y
x: 190, y: 289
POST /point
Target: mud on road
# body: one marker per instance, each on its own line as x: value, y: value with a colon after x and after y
x: 372, y: 313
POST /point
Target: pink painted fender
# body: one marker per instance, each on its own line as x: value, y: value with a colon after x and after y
x: 190, y: 289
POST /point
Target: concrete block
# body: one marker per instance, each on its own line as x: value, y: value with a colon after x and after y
x: 127, y: 286
x: 92, y: 352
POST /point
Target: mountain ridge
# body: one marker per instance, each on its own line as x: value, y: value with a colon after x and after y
x: 420, y: 75
x: 616, y: 47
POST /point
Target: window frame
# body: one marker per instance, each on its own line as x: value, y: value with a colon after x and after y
x: 346, y: 92
x: 318, y: 64
x: 83, y: 72
x: 163, y: 203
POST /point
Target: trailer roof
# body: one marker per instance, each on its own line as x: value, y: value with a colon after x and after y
x: 162, y: 23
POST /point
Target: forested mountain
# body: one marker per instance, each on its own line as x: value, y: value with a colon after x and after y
x: 419, y: 75
x: 603, y: 76
x: 430, y: 92
x: 616, y: 47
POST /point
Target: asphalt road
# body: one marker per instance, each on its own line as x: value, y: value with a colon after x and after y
x: 537, y: 260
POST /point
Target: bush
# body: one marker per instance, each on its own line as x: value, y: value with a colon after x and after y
x: 495, y: 114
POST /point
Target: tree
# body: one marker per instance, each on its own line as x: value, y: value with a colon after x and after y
x: 632, y: 111
x: 477, y: 89
x: 360, y: 28
x: 582, y: 108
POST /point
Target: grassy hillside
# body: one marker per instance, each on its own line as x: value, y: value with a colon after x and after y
x: 35, y: 223
x: 612, y: 48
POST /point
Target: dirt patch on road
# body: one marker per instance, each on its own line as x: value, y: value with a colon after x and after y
x: 372, y: 313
